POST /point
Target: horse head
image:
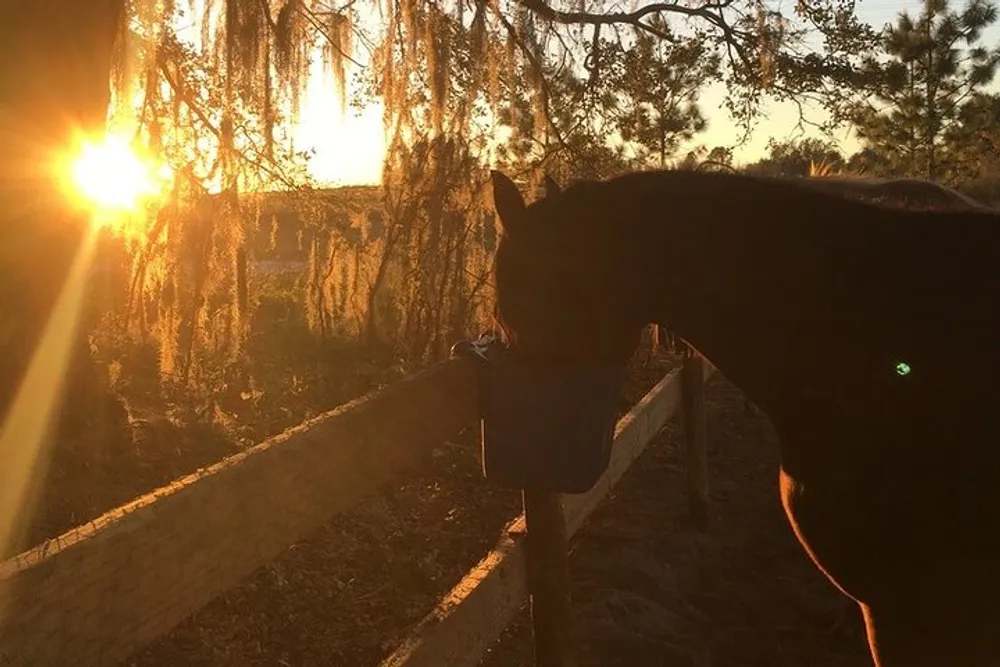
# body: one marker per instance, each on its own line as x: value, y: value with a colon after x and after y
x: 561, y: 296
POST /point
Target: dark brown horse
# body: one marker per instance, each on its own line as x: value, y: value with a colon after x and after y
x: 869, y: 335
x: 911, y: 193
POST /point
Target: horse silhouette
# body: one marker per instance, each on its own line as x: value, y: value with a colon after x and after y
x: 870, y: 335
x: 901, y: 192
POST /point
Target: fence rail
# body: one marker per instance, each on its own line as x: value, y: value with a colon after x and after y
x: 472, y: 616
x: 95, y: 595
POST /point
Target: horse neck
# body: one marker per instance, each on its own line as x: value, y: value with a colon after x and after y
x: 698, y: 267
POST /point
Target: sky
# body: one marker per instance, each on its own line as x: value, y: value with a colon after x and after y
x: 349, y: 146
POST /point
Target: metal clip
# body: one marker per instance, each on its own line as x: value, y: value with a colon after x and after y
x: 478, y: 348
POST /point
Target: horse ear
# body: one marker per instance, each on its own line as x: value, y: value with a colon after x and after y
x: 551, y: 187
x: 508, y: 201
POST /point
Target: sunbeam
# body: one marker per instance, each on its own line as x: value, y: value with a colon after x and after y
x: 24, y: 435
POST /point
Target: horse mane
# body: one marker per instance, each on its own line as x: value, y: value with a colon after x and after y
x: 907, y: 193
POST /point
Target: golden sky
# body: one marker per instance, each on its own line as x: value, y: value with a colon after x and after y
x: 349, y: 144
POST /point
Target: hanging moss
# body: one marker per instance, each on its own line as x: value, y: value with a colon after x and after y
x: 406, y: 274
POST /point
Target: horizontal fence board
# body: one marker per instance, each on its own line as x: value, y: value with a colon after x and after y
x: 462, y: 625
x: 471, y: 617
x: 98, y: 593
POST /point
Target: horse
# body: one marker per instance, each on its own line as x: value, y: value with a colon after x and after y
x: 868, y: 334
x: 907, y: 193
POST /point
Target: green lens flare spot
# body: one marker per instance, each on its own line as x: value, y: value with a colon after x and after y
x: 903, y: 368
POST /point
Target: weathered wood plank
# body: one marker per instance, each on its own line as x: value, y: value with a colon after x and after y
x: 97, y: 593
x: 695, y: 445
x: 469, y: 619
x: 547, y: 553
x: 634, y: 431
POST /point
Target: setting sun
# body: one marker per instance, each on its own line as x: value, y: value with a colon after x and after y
x: 112, y: 176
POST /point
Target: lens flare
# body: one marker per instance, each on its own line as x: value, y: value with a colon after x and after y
x: 112, y: 177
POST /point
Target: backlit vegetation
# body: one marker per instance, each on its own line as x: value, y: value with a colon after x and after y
x: 233, y: 296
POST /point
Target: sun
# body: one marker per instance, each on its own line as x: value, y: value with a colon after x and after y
x: 113, y: 178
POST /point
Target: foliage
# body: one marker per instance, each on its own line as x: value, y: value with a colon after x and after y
x: 210, y: 111
x: 933, y: 65
x: 571, y: 141
x: 650, y: 91
x: 798, y: 158
x: 517, y: 83
x: 450, y: 76
x: 248, y: 300
x: 971, y: 145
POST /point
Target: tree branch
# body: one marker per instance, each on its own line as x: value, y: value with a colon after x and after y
x: 710, y: 12
x: 179, y: 91
x: 540, y: 73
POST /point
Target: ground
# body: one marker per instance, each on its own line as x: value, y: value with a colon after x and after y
x: 648, y: 588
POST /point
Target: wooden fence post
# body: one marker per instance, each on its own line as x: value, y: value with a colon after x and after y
x: 696, y: 450
x: 548, y: 579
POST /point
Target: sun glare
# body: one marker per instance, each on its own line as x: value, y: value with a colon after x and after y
x: 349, y: 147
x: 111, y: 177
x: 26, y: 433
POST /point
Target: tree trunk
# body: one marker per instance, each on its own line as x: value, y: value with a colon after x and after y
x: 54, y: 86
x: 55, y: 81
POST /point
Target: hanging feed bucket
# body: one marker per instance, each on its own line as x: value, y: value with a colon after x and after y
x: 544, y: 429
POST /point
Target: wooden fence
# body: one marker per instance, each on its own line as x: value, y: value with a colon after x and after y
x: 98, y: 593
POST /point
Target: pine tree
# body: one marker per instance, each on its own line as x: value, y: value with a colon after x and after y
x: 655, y: 84
x: 972, y: 144
x: 932, y: 64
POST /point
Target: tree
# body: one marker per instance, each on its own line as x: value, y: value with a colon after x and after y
x: 870, y: 162
x: 568, y: 141
x: 797, y: 157
x: 632, y: 109
x: 971, y: 145
x: 933, y: 64
x: 652, y: 89
x: 444, y: 71
x: 56, y: 82
x: 720, y: 157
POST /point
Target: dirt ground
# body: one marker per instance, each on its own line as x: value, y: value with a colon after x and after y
x: 648, y: 588
x: 651, y: 590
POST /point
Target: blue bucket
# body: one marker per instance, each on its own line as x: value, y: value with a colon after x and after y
x: 544, y: 428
